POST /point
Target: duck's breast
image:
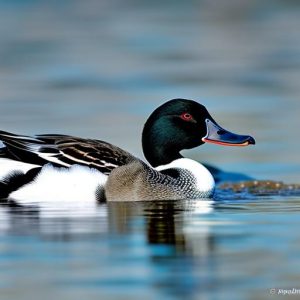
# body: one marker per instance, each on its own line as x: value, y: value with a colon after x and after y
x: 193, y: 175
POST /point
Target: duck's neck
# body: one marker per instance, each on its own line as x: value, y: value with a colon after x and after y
x: 158, y: 150
x: 157, y: 156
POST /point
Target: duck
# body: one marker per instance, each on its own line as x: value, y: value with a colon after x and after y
x: 67, y: 168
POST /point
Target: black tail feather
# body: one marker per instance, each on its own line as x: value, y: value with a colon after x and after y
x: 16, y: 180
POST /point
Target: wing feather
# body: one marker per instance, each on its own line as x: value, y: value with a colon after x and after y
x: 65, y: 151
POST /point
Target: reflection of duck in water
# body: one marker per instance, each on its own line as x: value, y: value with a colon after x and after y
x: 78, y: 168
x: 165, y: 223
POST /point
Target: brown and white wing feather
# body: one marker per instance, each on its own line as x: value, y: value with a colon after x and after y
x: 63, y: 150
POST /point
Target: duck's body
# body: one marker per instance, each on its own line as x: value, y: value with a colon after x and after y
x: 181, y: 179
x: 135, y: 181
x: 77, y: 169
x: 60, y: 167
x: 76, y: 184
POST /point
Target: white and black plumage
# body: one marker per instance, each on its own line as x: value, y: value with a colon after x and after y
x: 60, y: 166
x: 62, y: 150
x: 181, y: 179
x: 64, y: 166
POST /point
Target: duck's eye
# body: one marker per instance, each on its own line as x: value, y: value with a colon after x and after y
x: 186, y: 117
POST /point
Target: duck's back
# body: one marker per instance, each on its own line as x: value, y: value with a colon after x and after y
x: 62, y: 150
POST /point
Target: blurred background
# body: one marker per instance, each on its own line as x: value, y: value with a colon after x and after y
x: 99, y: 68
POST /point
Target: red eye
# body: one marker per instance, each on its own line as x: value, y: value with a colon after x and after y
x: 186, y: 117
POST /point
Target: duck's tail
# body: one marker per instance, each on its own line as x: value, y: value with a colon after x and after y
x: 15, y: 180
x: 18, y: 147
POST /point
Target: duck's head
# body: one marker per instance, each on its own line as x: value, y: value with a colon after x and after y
x: 183, y: 124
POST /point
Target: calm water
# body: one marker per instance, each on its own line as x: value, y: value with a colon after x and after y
x: 98, y: 69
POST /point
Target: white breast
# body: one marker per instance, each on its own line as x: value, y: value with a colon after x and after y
x: 77, y: 184
x: 204, y: 180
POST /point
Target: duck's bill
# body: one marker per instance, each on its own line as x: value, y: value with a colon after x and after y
x: 217, y: 135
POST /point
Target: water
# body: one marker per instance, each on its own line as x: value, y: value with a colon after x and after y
x: 98, y: 69
x: 171, y: 250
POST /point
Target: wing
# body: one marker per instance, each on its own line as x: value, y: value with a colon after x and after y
x: 63, y: 150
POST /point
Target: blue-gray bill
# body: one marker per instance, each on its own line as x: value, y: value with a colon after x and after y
x: 217, y: 135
